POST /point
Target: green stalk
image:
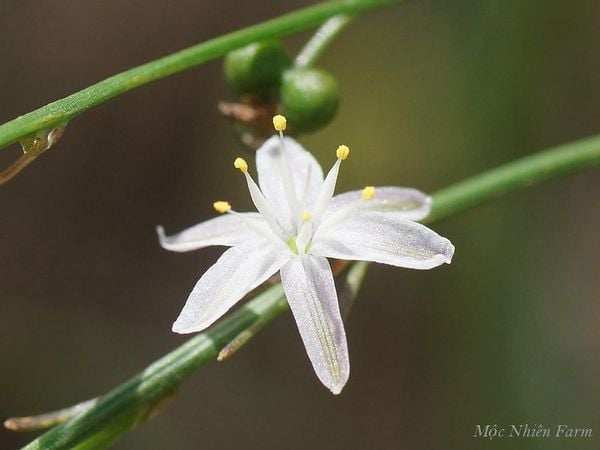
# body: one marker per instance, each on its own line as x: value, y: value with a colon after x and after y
x: 516, y: 175
x: 321, y: 39
x: 61, y: 111
x: 139, y: 396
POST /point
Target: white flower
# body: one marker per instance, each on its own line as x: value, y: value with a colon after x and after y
x: 298, y: 225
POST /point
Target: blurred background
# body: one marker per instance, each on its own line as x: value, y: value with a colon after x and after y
x: 433, y: 92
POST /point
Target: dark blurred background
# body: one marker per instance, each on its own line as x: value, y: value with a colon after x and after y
x: 433, y: 92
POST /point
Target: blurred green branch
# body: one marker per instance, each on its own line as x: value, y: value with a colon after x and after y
x: 516, y: 175
x: 324, y: 35
x: 161, y: 379
x: 61, y: 111
x: 138, y: 399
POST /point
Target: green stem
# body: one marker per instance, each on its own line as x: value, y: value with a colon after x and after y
x: 109, y: 433
x: 61, y: 111
x: 518, y: 174
x: 321, y: 39
x: 161, y: 378
x: 164, y: 376
x: 237, y: 342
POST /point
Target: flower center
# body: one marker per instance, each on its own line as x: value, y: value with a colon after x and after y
x: 304, y: 223
x: 292, y: 245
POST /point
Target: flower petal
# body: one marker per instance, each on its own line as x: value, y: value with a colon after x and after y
x: 408, y: 203
x: 383, y: 238
x: 305, y: 169
x: 239, y: 270
x: 228, y: 230
x: 308, y: 284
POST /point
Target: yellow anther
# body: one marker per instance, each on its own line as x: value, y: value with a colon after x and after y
x: 306, y: 217
x: 222, y: 206
x: 279, y: 122
x: 368, y: 192
x: 240, y: 163
x: 342, y: 152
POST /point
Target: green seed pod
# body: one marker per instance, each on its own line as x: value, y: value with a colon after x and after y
x: 309, y: 99
x: 256, y: 68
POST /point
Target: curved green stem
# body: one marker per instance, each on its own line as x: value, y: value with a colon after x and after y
x: 61, y: 111
x: 139, y: 396
x: 518, y: 174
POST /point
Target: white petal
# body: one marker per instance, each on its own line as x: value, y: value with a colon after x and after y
x: 308, y: 284
x: 239, y: 270
x: 228, y: 230
x: 383, y: 238
x: 306, y: 172
x: 408, y: 203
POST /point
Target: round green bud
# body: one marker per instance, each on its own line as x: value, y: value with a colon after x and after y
x: 309, y: 99
x: 256, y: 68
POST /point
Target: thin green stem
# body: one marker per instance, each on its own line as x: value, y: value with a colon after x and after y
x: 143, y: 392
x: 228, y: 350
x: 162, y: 378
x: 109, y: 433
x: 61, y: 111
x: 321, y: 39
x: 516, y: 175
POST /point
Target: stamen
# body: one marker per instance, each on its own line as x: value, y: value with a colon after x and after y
x: 342, y: 152
x: 262, y: 206
x: 222, y: 206
x: 285, y: 172
x: 279, y: 122
x: 368, y: 192
x: 265, y: 232
x: 306, y: 216
x: 328, y: 187
x: 241, y: 164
